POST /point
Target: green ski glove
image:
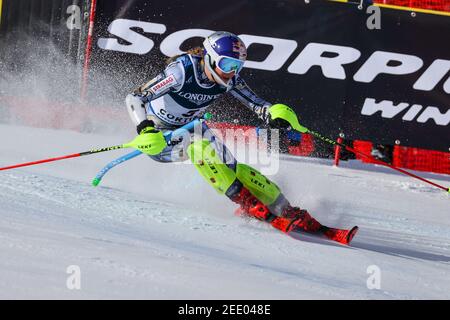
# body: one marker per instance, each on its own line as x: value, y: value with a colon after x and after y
x: 281, y: 116
x: 150, y: 141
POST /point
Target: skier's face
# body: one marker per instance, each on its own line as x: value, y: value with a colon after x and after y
x: 225, y: 76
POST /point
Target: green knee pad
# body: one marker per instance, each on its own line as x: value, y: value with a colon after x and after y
x: 215, y: 172
x: 261, y: 187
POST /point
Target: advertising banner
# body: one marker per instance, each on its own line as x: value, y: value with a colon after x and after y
x: 374, y: 74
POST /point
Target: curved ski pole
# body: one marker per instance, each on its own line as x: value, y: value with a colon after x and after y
x: 343, y: 145
x: 98, y: 178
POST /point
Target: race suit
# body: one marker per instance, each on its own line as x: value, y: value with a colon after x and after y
x: 182, y: 92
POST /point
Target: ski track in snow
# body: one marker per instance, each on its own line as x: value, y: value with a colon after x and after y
x: 155, y: 231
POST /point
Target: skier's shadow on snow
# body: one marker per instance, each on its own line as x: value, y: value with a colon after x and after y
x: 401, y: 252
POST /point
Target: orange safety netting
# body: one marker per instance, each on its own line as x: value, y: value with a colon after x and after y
x: 414, y: 158
x: 403, y: 157
x: 439, y: 5
x: 411, y: 158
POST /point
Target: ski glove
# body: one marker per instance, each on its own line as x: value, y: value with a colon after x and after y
x: 144, y: 124
x: 150, y: 141
x: 283, y: 117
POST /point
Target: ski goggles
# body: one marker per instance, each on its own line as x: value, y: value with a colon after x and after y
x: 227, y: 64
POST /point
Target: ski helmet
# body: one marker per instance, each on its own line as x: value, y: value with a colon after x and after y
x: 225, y: 51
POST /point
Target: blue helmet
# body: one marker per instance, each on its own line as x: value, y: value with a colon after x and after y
x: 225, y: 51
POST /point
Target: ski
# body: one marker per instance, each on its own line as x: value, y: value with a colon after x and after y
x: 342, y: 236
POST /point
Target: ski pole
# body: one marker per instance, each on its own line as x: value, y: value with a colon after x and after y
x: 169, y: 135
x: 98, y: 178
x: 75, y: 155
x: 345, y: 146
x: 132, y: 144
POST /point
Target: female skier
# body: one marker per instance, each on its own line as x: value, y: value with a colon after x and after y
x: 181, y: 93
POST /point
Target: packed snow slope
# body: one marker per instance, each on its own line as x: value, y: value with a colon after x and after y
x: 158, y: 231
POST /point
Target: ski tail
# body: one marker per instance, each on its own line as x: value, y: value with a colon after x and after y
x: 341, y: 235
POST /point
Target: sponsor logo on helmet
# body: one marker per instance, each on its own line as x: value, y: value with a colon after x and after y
x: 239, y: 48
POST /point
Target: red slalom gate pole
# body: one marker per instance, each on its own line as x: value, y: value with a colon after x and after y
x: 342, y: 145
x: 337, y: 151
x: 87, y: 54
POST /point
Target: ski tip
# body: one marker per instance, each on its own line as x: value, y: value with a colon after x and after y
x: 351, y: 234
x: 96, y: 182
